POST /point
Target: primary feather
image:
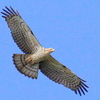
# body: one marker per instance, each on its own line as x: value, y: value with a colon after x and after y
x: 21, y: 33
x: 27, y: 42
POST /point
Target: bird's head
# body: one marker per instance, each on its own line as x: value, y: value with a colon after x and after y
x: 49, y: 50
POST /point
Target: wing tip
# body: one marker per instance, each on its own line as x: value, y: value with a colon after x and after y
x: 9, y: 12
x: 82, y: 88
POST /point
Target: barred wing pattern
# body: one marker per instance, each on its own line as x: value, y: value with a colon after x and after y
x: 50, y: 67
x: 21, y: 33
x: 62, y: 75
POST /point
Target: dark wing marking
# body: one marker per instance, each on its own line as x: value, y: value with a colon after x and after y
x: 62, y: 75
x: 21, y: 33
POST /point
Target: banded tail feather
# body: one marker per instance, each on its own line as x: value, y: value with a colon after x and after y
x: 30, y: 70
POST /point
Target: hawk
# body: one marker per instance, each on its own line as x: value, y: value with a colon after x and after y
x: 37, y: 57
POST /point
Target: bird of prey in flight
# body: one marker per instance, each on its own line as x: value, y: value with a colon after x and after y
x: 37, y: 57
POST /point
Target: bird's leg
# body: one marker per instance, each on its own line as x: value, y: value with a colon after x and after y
x: 30, y: 59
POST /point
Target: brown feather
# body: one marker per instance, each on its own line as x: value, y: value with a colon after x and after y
x: 26, y: 69
x: 21, y: 33
x: 62, y: 75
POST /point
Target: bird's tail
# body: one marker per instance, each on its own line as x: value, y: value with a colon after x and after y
x: 30, y: 70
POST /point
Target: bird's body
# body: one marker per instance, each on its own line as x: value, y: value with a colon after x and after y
x: 37, y: 57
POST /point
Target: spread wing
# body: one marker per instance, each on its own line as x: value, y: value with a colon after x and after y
x: 21, y: 33
x: 62, y: 75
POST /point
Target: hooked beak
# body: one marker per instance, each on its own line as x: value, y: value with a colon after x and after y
x: 49, y: 49
x: 53, y: 50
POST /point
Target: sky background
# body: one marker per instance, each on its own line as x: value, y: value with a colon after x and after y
x: 72, y: 28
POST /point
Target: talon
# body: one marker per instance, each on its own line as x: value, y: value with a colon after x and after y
x: 29, y: 60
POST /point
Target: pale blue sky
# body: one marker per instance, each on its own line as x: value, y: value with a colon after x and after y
x: 72, y: 28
